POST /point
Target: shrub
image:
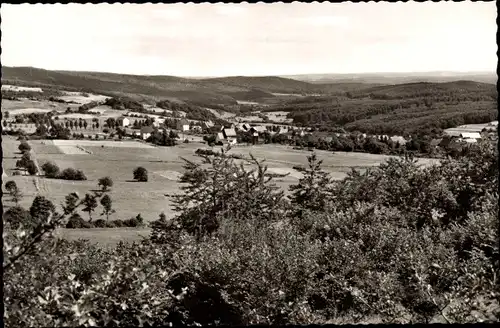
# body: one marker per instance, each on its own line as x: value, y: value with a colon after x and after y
x: 100, y: 223
x: 10, y: 186
x: 141, y: 174
x: 51, y: 170
x: 117, y: 223
x: 31, y: 167
x: 75, y: 221
x: 72, y: 174
x: 138, y: 221
x: 24, y: 147
x: 18, y: 217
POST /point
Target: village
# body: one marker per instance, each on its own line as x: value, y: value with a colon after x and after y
x: 233, y: 131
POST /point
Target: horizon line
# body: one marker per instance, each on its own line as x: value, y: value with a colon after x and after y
x: 268, y: 75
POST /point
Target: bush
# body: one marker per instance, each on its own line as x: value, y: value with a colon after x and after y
x: 100, y: 223
x: 18, y: 217
x: 116, y: 223
x: 77, y: 222
x: 72, y: 174
x: 31, y: 167
x: 141, y: 174
x: 396, y: 244
x: 51, y: 170
x: 138, y: 221
x: 24, y: 147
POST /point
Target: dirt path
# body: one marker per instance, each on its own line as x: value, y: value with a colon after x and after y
x: 39, y: 182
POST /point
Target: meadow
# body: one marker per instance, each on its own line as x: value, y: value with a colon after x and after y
x: 118, y: 159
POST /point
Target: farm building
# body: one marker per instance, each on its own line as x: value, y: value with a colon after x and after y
x: 208, y: 124
x: 229, y: 133
x: 258, y: 129
x: 123, y: 121
x: 219, y: 137
x: 453, y: 133
x: 399, y: 139
x: 282, y: 130
x: 146, y: 132
x: 196, y: 128
x: 183, y: 125
x: 470, y: 135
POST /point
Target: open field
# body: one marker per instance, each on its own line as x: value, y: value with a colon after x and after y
x: 81, y: 99
x: 105, y: 236
x: 278, y: 116
x: 19, y: 88
x: 19, y: 107
x: 118, y: 159
x: 468, y: 128
x: 74, y: 116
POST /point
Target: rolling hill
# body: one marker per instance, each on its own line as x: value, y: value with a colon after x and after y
x: 213, y: 91
x: 398, y: 109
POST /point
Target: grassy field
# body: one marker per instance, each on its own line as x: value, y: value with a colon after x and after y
x: 16, y: 107
x: 118, y: 160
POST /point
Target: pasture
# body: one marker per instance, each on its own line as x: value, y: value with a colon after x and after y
x: 118, y: 159
x: 468, y: 128
x: 82, y: 98
x: 27, y: 106
x: 19, y: 88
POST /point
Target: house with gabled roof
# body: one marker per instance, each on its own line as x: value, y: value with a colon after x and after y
x: 229, y: 133
x: 183, y: 125
x: 122, y: 122
x: 146, y: 132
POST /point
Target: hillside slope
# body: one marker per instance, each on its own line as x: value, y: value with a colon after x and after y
x: 226, y: 90
x: 398, y: 109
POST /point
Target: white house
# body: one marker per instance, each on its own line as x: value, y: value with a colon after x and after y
x: 183, y: 125
x: 123, y: 121
x: 399, y: 139
x: 146, y: 132
x: 470, y: 135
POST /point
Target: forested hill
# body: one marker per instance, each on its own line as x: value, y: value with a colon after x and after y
x: 398, y: 109
x: 225, y: 90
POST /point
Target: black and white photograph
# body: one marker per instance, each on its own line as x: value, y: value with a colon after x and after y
x: 240, y: 164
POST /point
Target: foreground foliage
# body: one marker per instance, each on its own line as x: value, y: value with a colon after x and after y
x: 397, y: 244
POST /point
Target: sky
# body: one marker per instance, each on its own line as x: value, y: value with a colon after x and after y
x: 252, y: 39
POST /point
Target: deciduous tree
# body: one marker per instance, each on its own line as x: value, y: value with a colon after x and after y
x: 105, y: 183
x: 89, y: 205
x: 141, y: 174
x: 107, y: 204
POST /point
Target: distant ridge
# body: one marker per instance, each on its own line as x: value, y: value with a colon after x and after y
x: 217, y: 90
